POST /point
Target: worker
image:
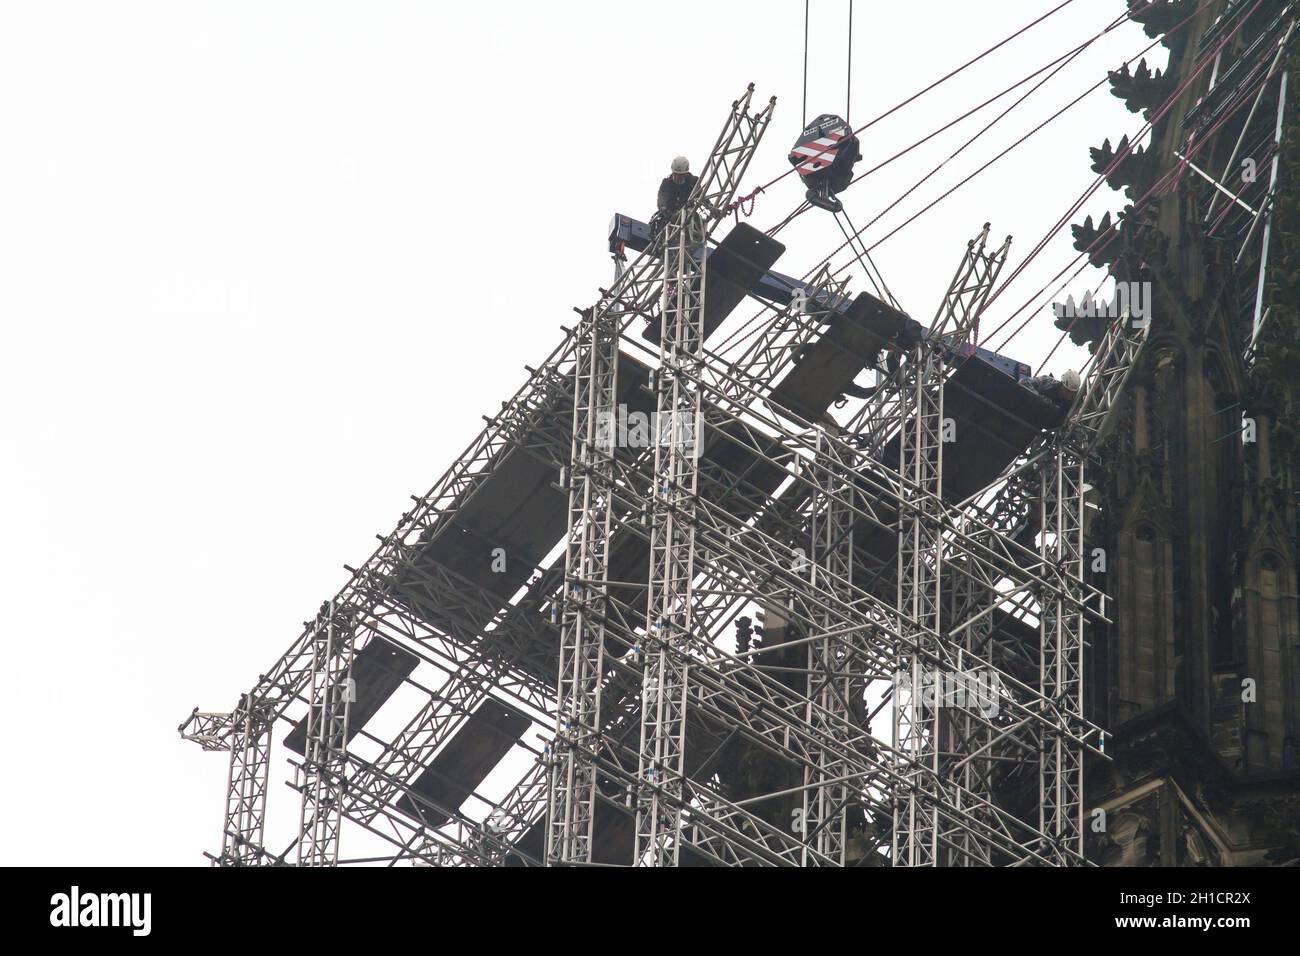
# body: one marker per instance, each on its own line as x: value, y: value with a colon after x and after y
x: 676, y: 187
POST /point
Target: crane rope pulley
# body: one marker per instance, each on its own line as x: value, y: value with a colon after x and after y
x: 827, y: 147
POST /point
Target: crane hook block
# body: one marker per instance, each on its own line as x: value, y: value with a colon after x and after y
x: 824, y: 155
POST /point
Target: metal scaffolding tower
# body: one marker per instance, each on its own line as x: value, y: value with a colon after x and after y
x: 555, y: 613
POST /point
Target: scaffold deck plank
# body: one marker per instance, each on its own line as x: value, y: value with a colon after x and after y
x: 465, y: 761
x: 733, y: 269
x: 519, y: 508
x: 994, y: 420
x: 379, y: 669
x: 839, y: 355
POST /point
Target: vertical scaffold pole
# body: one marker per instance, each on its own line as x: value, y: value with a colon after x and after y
x: 1061, y: 645
x: 325, y: 755
x: 920, y: 553
x: 669, y: 623
x: 591, y: 480
x: 250, y: 764
x: 966, y: 740
x: 834, y: 692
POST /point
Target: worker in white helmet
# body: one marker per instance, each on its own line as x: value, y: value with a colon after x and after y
x: 676, y: 187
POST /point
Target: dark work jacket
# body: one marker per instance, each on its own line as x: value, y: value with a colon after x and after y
x: 672, y: 196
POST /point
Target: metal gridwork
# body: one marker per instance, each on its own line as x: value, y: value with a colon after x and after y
x: 633, y: 681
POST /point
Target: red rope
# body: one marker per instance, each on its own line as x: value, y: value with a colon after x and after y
x: 1118, y: 158
x: 1162, y: 186
x: 738, y: 206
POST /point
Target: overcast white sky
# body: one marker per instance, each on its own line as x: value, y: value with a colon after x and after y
x: 264, y: 265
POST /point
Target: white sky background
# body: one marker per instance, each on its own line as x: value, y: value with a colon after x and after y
x: 264, y: 265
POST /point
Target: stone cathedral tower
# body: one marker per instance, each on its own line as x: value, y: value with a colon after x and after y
x: 1197, y: 678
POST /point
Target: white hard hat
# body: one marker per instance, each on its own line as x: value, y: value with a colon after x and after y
x: 681, y: 164
x: 1071, y: 380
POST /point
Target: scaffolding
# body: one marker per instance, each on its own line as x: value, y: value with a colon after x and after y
x: 567, y: 578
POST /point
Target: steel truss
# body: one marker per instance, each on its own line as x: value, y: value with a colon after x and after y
x: 836, y: 688
x: 1060, y: 804
x: 669, y: 606
x: 590, y: 529
x: 920, y: 559
x: 679, y: 418
x: 921, y: 725
x: 250, y: 763
x: 322, y: 780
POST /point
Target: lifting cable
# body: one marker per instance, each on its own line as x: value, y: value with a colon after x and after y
x: 1104, y: 238
x: 1161, y: 186
x: 806, y: 4
x: 1120, y: 157
x: 864, y: 258
x: 1022, y: 139
x: 738, y: 206
x: 805, y: 206
x: 742, y: 331
x: 1060, y: 63
x: 848, y: 80
x: 917, y: 95
x: 867, y: 269
x: 944, y: 195
x: 1092, y: 295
